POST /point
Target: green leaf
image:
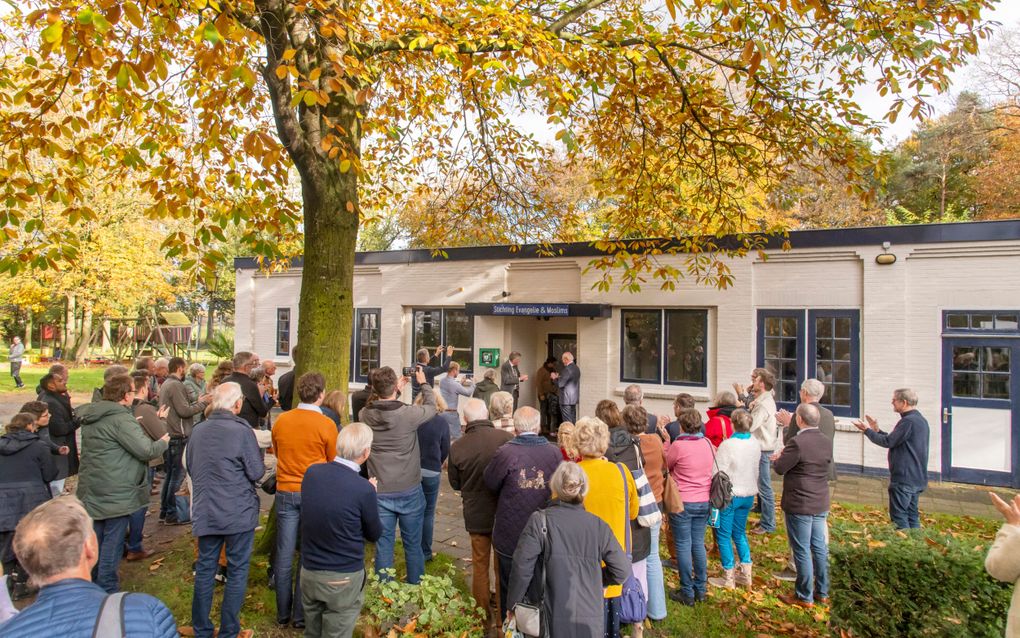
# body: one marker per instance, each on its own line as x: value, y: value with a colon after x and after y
x: 211, y: 34
x: 53, y: 33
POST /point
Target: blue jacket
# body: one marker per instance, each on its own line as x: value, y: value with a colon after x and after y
x: 569, y: 383
x: 68, y: 609
x: 224, y: 463
x: 434, y: 443
x: 908, y: 449
x: 334, y: 530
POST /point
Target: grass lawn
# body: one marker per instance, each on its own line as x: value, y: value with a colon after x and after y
x: 83, y: 379
x: 736, y: 614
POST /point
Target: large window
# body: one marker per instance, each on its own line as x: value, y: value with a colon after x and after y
x: 981, y: 372
x: 822, y: 344
x: 366, y: 340
x: 664, y: 346
x: 445, y: 326
x: 283, y: 332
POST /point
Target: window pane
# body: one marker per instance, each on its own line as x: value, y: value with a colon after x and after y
x: 981, y: 322
x: 958, y: 321
x: 789, y: 327
x: 283, y: 331
x: 823, y: 372
x: 996, y: 360
x: 427, y: 329
x: 965, y: 384
x: 789, y: 370
x: 823, y: 349
x: 789, y: 392
x: 772, y: 326
x: 459, y: 332
x: 840, y: 372
x: 368, y: 342
x: 842, y: 327
x: 685, y: 346
x: 1006, y: 322
x: 841, y: 394
x: 642, y: 336
x: 965, y: 358
x: 773, y: 348
x: 841, y: 349
x: 823, y: 327
x: 789, y: 348
x: 996, y: 386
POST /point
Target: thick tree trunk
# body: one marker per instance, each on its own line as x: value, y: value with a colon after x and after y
x: 84, y: 336
x: 327, y: 282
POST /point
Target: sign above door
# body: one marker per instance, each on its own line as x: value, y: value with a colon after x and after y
x: 592, y: 310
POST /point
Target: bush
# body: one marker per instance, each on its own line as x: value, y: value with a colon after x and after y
x: 434, y: 608
x: 221, y: 344
x: 919, y: 584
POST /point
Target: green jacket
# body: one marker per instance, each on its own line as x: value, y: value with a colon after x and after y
x: 115, y: 454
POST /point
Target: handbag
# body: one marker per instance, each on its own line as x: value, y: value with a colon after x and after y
x: 721, y: 491
x: 528, y: 619
x: 648, y: 509
x: 671, y: 499
x: 633, y: 604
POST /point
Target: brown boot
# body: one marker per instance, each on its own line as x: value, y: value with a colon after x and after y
x: 742, y: 577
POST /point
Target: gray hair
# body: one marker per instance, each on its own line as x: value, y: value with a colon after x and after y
x: 226, y: 395
x: 726, y: 397
x: 113, y: 371
x: 568, y: 356
x: 527, y: 419
x: 906, y: 395
x: 242, y: 359
x: 353, y: 441
x: 475, y: 410
x: 422, y: 355
x: 49, y: 540
x: 257, y: 374
x: 632, y: 394
x: 813, y: 388
x: 591, y: 437
x: 569, y: 483
x: 195, y: 368
x: 161, y: 362
x: 808, y: 415
x: 501, y: 404
x: 490, y: 374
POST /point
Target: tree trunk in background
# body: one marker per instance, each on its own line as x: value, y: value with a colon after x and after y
x: 326, y: 307
x: 209, y: 324
x: 84, y: 336
x: 27, y: 340
x: 68, y: 340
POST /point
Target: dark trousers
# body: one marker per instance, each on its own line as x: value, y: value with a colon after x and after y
x: 238, y: 548
x: 174, y: 476
x: 568, y: 413
x: 16, y: 373
x: 903, y: 505
x: 516, y: 395
x: 504, y: 564
x: 549, y: 408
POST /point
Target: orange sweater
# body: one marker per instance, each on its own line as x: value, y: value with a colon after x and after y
x: 301, y: 438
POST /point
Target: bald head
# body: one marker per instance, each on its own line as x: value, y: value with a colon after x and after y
x: 55, y: 541
x: 527, y: 419
x: 808, y: 415
x: 475, y: 410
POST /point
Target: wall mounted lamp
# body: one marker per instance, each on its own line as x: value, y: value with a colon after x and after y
x: 886, y: 258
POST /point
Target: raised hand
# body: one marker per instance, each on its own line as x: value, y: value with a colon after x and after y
x: 1009, y: 510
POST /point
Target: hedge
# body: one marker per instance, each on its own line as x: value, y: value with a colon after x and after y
x: 915, y: 584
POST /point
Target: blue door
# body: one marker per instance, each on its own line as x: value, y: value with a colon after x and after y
x: 980, y: 427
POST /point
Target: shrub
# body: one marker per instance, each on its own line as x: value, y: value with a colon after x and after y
x: 221, y: 344
x: 915, y: 584
x: 434, y: 608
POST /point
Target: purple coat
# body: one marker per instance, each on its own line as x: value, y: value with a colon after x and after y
x: 519, y: 474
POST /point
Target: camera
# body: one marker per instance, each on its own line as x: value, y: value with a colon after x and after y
x: 408, y: 371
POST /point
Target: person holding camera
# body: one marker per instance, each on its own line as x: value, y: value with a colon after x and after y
x: 395, y: 463
x: 432, y: 368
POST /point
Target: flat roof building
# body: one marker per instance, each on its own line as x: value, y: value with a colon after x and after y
x: 933, y: 307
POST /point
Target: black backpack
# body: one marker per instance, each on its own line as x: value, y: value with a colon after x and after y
x: 721, y: 493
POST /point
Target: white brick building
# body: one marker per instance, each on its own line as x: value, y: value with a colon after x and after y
x: 942, y: 319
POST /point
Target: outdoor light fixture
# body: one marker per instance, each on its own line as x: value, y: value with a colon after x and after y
x: 886, y: 258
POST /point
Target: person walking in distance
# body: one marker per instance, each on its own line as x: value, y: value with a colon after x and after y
x: 15, y: 356
x: 569, y: 383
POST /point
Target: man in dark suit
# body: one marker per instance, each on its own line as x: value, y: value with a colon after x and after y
x: 285, y: 386
x: 254, y: 407
x: 569, y: 382
x: 510, y: 376
x: 804, y: 464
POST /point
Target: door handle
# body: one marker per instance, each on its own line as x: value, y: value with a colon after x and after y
x: 946, y: 415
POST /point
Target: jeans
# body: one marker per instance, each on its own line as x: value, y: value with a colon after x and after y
x: 238, y: 548
x: 16, y: 373
x: 733, y: 531
x: 110, y: 535
x: 172, y: 482
x: 429, y: 487
x: 766, y: 497
x: 689, y: 536
x: 136, y: 524
x: 288, y: 525
x: 409, y: 512
x: 656, y: 587
x: 332, y: 602
x: 806, y: 533
x: 568, y: 413
x: 903, y: 505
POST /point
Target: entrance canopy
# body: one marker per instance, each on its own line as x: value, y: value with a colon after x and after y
x: 592, y: 310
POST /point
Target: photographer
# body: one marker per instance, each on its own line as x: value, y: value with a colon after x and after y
x: 396, y: 463
x: 431, y: 367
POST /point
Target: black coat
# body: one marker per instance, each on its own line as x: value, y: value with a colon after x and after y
x: 286, y: 390
x: 254, y: 406
x: 578, y: 543
x: 622, y: 450
x: 469, y: 456
x: 26, y: 468
x: 804, y: 465
x: 62, y: 429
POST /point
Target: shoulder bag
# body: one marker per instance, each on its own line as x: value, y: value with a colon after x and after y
x: 633, y: 604
x: 721, y: 492
x: 648, y: 509
x: 672, y: 502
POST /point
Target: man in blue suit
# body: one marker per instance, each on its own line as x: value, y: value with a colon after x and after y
x: 568, y: 381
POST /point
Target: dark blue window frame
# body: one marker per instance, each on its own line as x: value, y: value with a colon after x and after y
x: 946, y: 329
x: 467, y: 364
x: 661, y: 377
x: 283, y: 340
x: 356, y: 342
x: 807, y: 351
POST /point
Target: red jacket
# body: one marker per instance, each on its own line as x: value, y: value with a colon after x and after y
x: 719, y: 428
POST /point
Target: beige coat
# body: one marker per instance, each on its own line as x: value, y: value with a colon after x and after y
x: 1003, y: 563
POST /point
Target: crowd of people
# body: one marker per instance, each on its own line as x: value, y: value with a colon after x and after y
x: 565, y: 514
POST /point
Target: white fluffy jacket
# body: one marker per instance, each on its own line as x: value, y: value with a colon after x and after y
x: 1003, y: 563
x: 739, y: 458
